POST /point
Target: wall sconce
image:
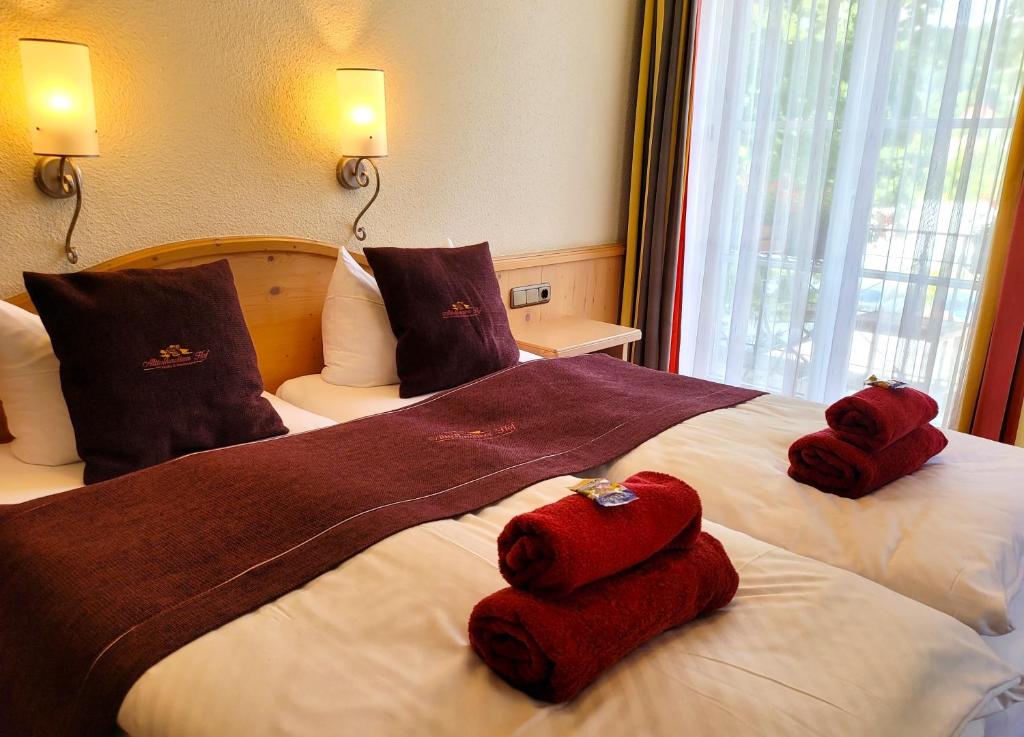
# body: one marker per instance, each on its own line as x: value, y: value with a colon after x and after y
x: 364, y: 132
x: 58, y: 84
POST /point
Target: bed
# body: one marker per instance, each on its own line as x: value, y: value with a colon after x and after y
x: 380, y: 640
x: 898, y: 536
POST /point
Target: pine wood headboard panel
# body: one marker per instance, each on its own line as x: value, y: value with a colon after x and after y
x: 282, y: 283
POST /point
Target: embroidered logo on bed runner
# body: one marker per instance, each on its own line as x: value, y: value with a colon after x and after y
x: 446, y: 437
x: 460, y: 309
x: 175, y: 356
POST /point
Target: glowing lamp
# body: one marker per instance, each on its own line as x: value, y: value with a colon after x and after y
x: 58, y: 85
x: 61, y: 111
x: 363, y: 130
x: 364, y: 124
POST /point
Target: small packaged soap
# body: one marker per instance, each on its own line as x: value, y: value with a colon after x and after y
x: 884, y: 383
x: 604, y: 492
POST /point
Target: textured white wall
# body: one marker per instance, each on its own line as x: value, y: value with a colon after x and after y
x: 508, y: 120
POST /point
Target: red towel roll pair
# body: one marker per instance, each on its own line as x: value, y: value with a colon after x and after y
x: 590, y: 584
x: 874, y: 437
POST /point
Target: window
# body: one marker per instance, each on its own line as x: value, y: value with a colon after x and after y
x: 845, y: 163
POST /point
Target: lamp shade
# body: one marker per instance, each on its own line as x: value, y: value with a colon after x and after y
x: 364, y: 125
x: 58, y: 85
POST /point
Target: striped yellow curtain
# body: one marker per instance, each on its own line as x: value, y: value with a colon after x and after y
x: 657, y: 178
x: 641, y: 144
x: 1009, y: 201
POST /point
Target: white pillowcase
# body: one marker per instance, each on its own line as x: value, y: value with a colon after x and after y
x: 37, y: 415
x: 359, y: 347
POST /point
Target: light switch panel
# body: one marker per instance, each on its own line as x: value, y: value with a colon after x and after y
x: 530, y: 294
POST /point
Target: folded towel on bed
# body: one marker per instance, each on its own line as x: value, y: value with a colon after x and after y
x: 572, y: 542
x: 875, y: 417
x: 554, y: 648
x: 827, y: 462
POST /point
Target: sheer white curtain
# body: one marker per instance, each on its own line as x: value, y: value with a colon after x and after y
x: 845, y: 161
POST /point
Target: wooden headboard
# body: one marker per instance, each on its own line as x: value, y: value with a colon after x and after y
x: 282, y: 283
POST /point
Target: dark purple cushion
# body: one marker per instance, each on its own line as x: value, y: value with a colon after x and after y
x: 154, y: 364
x: 445, y: 308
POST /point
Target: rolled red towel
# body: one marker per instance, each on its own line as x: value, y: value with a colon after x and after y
x: 562, y: 546
x: 875, y: 417
x: 554, y: 648
x: 825, y: 461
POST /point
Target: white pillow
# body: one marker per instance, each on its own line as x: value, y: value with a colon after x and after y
x: 37, y: 415
x: 359, y: 347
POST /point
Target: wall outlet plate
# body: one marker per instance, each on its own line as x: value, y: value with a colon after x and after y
x: 529, y: 295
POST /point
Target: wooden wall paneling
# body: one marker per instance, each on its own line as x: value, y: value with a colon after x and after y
x: 589, y: 288
x: 516, y: 278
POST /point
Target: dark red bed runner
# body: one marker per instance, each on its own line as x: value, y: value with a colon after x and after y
x: 100, y: 583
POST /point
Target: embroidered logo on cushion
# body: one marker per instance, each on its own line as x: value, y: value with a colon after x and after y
x: 175, y: 356
x: 461, y: 309
x: 507, y: 429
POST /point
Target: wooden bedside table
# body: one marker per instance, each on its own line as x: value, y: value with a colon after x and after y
x: 560, y: 337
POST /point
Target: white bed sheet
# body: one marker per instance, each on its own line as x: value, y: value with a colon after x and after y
x: 346, y: 403
x: 343, y: 403
x: 950, y: 535
x: 1010, y: 722
x: 378, y: 647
